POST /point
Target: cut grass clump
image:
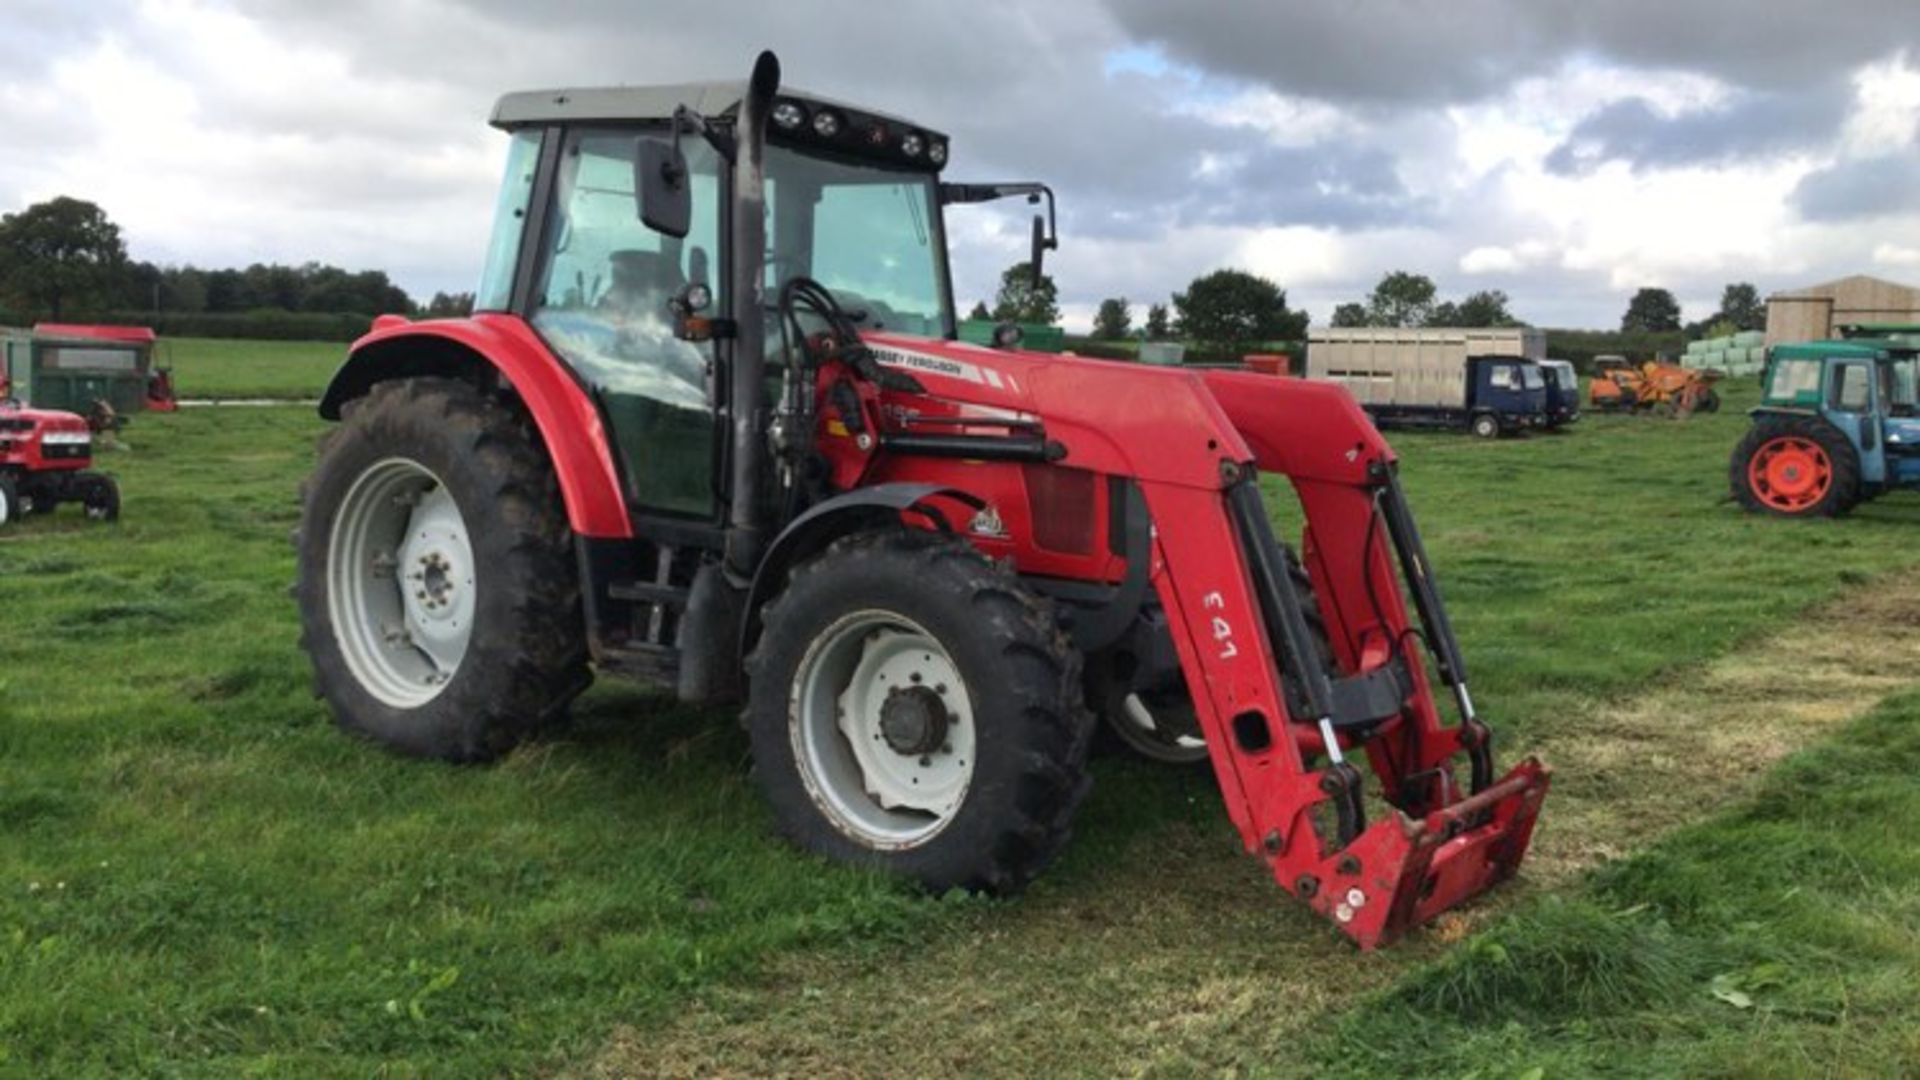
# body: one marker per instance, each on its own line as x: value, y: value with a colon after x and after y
x: 1558, y: 962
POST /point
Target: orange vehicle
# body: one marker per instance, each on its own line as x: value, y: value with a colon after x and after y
x: 1662, y: 389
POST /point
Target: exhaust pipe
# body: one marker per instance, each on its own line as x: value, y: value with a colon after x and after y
x: 746, y: 524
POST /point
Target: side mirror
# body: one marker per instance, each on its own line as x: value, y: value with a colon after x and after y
x: 1039, y: 249
x: 664, y: 198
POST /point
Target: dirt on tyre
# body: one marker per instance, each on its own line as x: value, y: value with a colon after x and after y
x: 1795, y: 467
x: 439, y: 599
x: 914, y: 707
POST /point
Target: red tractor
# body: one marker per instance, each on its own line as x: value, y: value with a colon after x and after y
x: 710, y: 427
x: 45, y: 460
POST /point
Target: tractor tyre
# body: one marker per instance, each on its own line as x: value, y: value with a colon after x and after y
x: 439, y: 596
x: 100, y: 498
x: 1160, y: 723
x: 1795, y: 467
x: 1709, y: 402
x: 914, y: 707
x: 9, y: 500
x: 1486, y: 426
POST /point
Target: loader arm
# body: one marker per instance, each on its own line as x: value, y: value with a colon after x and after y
x: 1295, y: 688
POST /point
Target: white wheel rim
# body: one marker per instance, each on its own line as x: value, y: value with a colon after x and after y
x: 878, y: 788
x: 401, y: 583
x: 6, y: 507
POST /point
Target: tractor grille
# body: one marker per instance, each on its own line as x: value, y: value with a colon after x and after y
x: 64, y: 452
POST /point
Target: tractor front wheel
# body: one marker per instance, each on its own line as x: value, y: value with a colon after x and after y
x: 9, y: 500
x: 914, y: 707
x: 438, y: 595
x: 1795, y: 467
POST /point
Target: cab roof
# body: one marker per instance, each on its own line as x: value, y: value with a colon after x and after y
x: 616, y: 103
x: 1820, y: 350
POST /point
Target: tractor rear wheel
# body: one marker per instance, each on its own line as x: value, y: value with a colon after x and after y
x: 913, y: 707
x: 1795, y: 467
x: 439, y: 599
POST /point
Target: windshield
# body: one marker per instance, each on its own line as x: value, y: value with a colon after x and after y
x: 1530, y: 377
x: 865, y: 232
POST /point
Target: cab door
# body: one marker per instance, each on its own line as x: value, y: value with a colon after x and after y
x: 601, y: 299
x: 1852, y: 406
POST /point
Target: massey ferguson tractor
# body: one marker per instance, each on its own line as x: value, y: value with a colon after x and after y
x: 46, y: 459
x: 710, y: 426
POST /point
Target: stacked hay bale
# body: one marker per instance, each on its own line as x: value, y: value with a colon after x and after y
x: 1744, y: 353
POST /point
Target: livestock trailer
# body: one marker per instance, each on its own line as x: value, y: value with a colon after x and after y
x: 1486, y: 380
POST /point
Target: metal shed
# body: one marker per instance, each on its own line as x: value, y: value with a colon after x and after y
x: 1816, y: 312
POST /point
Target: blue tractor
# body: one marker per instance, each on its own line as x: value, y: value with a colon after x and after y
x: 1837, y: 424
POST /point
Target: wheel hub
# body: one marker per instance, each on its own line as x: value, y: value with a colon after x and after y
x: 913, y: 721
x: 883, y: 730
x: 1790, y: 473
x: 401, y: 587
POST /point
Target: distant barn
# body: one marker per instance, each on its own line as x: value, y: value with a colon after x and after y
x: 1817, y: 311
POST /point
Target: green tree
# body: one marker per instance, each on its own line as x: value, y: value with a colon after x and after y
x: 980, y: 311
x: 1740, y: 304
x: 1350, y: 315
x: 1020, y: 300
x: 1651, y: 310
x: 450, y: 305
x: 1113, y: 320
x: 61, y: 254
x: 1488, y: 307
x: 1401, y: 299
x: 1159, y: 325
x: 1233, y: 310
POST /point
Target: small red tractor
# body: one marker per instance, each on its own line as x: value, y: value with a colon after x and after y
x: 45, y: 460
x: 710, y: 426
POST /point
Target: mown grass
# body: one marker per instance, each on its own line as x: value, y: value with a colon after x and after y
x: 221, y: 368
x: 198, y: 873
x: 1778, y: 940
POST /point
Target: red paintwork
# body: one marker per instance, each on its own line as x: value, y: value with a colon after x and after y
x: 575, y: 435
x: 1171, y: 431
x: 133, y: 335
x: 22, y: 452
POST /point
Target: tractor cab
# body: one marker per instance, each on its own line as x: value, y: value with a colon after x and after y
x: 648, y: 240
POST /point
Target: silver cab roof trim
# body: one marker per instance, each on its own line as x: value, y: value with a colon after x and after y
x: 639, y: 103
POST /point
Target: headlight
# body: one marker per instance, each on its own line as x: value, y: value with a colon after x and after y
x: 937, y: 153
x: 826, y: 123
x: 66, y: 438
x: 911, y: 144
x: 788, y: 115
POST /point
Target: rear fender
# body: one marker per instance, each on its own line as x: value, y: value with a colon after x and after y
x: 505, y: 348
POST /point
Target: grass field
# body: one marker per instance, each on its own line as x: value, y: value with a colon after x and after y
x: 219, y: 368
x: 198, y: 874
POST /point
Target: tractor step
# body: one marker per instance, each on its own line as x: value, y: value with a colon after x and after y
x: 648, y: 663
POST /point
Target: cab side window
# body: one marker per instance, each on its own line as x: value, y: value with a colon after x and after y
x: 1852, y: 388
x: 1502, y: 377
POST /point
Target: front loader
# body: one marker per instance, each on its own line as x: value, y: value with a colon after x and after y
x: 710, y: 426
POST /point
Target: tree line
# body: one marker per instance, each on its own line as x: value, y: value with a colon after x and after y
x: 66, y: 257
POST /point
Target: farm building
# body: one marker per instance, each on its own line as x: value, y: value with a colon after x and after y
x: 1816, y: 311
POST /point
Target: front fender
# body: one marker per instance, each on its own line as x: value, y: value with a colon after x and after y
x: 861, y: 508
x: 569, y: 424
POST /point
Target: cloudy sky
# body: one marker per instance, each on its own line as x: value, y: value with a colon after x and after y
x: 1566, y: 151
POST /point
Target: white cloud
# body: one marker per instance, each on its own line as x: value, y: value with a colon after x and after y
x: 1896, y: 255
